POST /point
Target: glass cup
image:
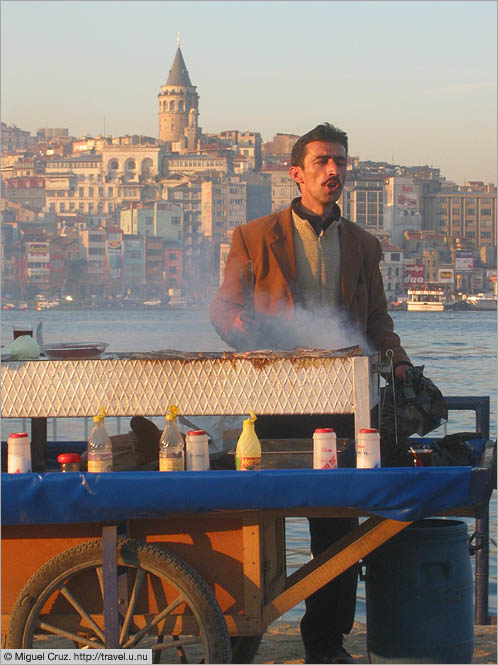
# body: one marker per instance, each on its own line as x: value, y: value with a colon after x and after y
x: 421, y: 456
x: 22, y: 329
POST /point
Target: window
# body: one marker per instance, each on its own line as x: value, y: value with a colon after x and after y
x: 172, y: 270
x: 372, y: 196
x: 95, y: 250
x: 395, y: 256
x: 470, y: 211
x: 90, y: 191
x: 149, y: 220
x: 81, y: 192
x: 171, y: 256
x: 101, y: 191
x: 486, y: 211
x: 109, y: 192
x: 175, y: 221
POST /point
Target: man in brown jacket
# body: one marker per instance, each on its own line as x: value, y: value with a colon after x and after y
x: 284, y: 269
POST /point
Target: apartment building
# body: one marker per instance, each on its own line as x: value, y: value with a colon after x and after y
x: 283, y: 187
x: 154, y: 218
x: 77, y: 185
x: 14, y: 138
x: 402, y: 195
x: 197, y: 163
x: 38, y: 264
x: 133, y: 265
x: 130, y: 163
x: 93, y: 241
x: 247, y: 144
x: 468, y: 213
x: 363, y: 199
x: 231, y: 201
x: 155, y: 279
x: 27, y: 190
x: 391, y: 267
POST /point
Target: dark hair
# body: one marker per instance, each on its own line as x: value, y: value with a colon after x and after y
x: 324, y: 132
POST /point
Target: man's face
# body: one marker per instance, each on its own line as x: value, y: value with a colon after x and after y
x: 322, y: 177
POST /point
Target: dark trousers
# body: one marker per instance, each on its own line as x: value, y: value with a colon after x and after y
x: 330, y: 610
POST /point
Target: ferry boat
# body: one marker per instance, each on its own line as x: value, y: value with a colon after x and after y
x: 482, y: 302
x: 429, y: 300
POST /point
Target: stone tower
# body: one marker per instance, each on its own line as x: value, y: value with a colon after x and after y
x: 179, y: 106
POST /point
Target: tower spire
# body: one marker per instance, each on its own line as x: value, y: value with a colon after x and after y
x: 178, y: 40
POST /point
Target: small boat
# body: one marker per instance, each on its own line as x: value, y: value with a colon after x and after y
x: 154, y: 302
x: 429, y: 300
x: 47, y: 304
x: 482, y: 302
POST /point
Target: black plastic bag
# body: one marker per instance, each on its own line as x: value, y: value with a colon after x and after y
x: 414, y: 406
x: 454, y: 450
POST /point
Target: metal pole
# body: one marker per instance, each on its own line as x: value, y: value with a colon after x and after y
x: 480, y: 405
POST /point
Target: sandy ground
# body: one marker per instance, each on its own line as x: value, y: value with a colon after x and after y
x: 282, y: 644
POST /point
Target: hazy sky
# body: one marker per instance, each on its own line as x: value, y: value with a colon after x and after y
x: 409, y: 81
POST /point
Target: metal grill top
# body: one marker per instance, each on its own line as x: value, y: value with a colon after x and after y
x: 273, y: 382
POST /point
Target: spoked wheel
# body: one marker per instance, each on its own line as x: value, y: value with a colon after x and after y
x: 167, y: 606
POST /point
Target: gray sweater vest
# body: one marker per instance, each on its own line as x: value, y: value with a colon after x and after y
x: 318, y: 267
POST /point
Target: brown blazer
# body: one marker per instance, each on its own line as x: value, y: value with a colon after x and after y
x: 269, y: 243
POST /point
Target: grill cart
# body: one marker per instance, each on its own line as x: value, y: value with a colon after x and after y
x: 191, y: 564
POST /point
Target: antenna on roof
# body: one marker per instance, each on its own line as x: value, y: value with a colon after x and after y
x: 178, y: 40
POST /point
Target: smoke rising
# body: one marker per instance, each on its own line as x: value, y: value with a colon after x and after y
x: 312, y: 329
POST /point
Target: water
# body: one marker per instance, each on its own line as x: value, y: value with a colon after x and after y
x: 457, y: 349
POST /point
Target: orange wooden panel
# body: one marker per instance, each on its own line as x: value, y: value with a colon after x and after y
x: 212, y: 546
x: 26, y: 548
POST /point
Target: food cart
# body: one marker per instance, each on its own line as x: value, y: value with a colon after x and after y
x: 192, y: 564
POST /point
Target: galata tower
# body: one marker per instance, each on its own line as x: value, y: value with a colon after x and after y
x: 179, y: 106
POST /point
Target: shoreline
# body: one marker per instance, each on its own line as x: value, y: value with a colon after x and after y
x: 281, y: 643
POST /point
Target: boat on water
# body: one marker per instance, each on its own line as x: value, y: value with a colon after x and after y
x: 10, y: 305
x: 154, y: 302
x: 47, y: 304
x: 429, y: 300
x: 482, y: 302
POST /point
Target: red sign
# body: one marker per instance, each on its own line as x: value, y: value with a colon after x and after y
x: 413, y: 275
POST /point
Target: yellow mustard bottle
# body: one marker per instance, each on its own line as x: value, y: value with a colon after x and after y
x: 248, y: 450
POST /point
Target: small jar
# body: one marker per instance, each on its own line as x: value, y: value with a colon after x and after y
x: 197, y: 451
x: 18, y: 453
x: 69, y: 462
x: 324, y: 448
x: 368, y: 449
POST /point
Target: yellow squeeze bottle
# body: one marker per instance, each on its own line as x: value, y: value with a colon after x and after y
x: 248, y: 451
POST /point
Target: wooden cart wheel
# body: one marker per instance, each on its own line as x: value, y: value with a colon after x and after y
x: 168, y: 608
x: 245, y: 647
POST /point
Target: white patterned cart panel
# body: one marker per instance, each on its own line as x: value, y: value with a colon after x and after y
x: 206, y: 384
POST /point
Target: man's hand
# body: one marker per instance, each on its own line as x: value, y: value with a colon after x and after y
x: 244, y: 323
x: 243, y: 334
